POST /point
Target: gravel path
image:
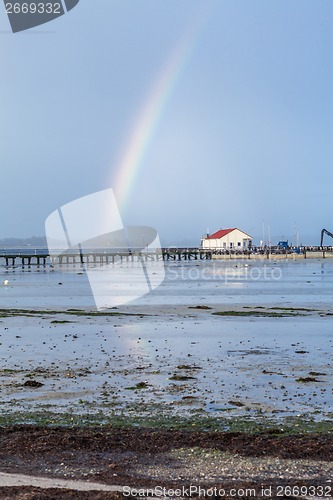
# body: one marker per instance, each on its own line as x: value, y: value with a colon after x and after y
x: 7, y: 479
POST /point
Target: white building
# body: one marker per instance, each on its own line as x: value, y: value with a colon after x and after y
x: 227, y: 239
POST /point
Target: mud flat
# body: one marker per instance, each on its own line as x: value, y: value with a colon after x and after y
x: 203, y: 362
x: 216, y: 340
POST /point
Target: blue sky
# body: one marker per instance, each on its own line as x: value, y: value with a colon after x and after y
x: 244, y: 136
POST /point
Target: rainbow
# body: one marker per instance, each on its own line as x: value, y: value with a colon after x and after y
x: 152, y: 111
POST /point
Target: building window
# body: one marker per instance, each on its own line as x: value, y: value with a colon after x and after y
x: 239, y: 244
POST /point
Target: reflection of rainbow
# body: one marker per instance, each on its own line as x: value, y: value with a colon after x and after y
x: 152, y: 111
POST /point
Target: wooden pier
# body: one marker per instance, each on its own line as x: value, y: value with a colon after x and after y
x: 42, y: 257
x: 24, y: 257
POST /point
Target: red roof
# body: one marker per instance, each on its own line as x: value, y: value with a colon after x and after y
x: 220, y: 233
x: 223, y: 232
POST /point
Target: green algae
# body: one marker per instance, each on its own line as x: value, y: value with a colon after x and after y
x: 256, y: 313
x: 158, y: 419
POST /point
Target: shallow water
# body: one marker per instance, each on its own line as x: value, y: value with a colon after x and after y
x: 230, y: 282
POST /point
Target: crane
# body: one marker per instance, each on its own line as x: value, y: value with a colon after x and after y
x: 323, y: 231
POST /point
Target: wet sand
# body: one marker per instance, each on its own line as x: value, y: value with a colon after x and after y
x: 171, y: 360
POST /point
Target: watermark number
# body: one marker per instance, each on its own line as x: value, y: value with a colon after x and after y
x: 33, y: 8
